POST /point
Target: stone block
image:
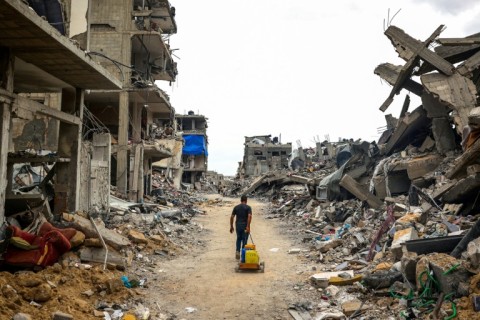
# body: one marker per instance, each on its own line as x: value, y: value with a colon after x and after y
x: 401, y: 237
x: 449, y: 273
x: 409, y: 264
x: 137, y: 237
x: 326, y: 246
x: 351, y: 306
x: 420, y: 166
x: 61, y: 316
x: 473, y: 253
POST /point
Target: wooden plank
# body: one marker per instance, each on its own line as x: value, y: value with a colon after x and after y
x: 360, y: 192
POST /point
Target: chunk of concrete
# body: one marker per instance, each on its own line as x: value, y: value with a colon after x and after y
x: 112, y: 238
x: 449, y: 273
x: 351, y: 306
x: 409, y: 265
x: 401, y: 237
x: 473, y: 253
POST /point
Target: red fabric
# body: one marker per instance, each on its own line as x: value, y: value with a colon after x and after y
x: 47, y: 227
x: 51, y: 245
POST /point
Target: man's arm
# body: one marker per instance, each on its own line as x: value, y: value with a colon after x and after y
x: 231, y: 223
x: 248, y: 222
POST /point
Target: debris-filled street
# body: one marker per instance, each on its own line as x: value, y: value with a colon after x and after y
x: 110, y: 209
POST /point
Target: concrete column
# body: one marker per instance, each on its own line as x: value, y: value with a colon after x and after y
x: 122, y: 150
x: 7, y: 62
x: 67, y: 186
x: 137, y: 122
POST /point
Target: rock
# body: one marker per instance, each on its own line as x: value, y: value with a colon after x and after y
x: 42, y: 293
x: 98, y: 314
x: 28, y: 279
x: 449, y: 273
x: 77, y: 239
x: 69, y: 259
x: 22, y: 316
x: 325, y: 246
x: 332, y: 291
x: 422, y: 266
x: 400, y: 237
x: 9, y: 292
x: 383, y: 266
x: 93, y: 242
x: 57, y: 315
x: 350, y: 307
x: 114, y: 285
x: 88, y: 293
x: 473, y: 253
x: 409, y: 264
x: 137, y: 237
x: 157, y: 239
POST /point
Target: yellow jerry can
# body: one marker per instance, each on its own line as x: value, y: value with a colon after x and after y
x: 251, y: 256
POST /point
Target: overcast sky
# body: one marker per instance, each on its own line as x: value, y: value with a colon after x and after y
x: 295, y: 68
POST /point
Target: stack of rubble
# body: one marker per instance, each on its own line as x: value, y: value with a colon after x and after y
x: 400, y: 215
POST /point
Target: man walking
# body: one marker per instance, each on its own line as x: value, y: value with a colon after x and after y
x: 243, y: 213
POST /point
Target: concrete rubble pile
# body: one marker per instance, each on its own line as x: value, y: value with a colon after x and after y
x: 394, y: 223
x: 111, y: 251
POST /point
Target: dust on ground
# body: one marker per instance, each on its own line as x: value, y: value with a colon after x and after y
x: 205, y: 279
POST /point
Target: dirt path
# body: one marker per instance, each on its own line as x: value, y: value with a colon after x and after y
x: 206, y: 280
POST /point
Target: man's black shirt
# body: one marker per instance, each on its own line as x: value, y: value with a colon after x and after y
x: 242, y: 211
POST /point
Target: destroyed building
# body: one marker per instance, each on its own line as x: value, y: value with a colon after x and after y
x: 44, y: 80
x: 131, y: 41
x: 195, y: 149
x: 263, y: 154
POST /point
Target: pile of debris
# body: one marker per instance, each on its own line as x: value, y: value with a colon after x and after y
x: 395, y: 223
x: 84, y: 262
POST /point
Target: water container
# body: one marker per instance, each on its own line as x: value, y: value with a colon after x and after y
x: 251, y: 256
x: 242, y: 256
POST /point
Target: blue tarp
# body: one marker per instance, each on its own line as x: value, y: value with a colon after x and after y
x: 194, y: 145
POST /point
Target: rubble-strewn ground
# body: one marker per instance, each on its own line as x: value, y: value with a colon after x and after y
x: 205, y: 278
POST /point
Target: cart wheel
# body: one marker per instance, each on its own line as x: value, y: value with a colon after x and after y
x: 237, y: 269
x: 262, y: 266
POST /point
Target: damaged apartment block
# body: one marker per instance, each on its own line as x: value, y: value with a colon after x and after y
x: 195, y: 148
x: 130, y: 40
x: 263, y: 154
x: 42, y: 93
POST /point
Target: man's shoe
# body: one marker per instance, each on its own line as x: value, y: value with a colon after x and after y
x: 237, y: 255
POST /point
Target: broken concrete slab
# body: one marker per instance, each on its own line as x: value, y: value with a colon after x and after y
x: 456, y: 91
x: 420, y: 166
x: 468, y: 158
x: 410, y: 128
x: 360, y: 192
x: 399, y: 238
x: 97, y: 255
x: 112, y: 238
x: 463, y: 190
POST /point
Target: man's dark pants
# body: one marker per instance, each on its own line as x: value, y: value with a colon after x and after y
x: 242, y: 238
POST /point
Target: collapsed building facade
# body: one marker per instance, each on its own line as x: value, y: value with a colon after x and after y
x: 195, y: 149
x: 263, y: 154
x: 130, y: 40
x: 44, y: 80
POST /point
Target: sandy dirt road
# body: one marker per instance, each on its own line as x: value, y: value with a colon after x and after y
x: 205, y: 279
